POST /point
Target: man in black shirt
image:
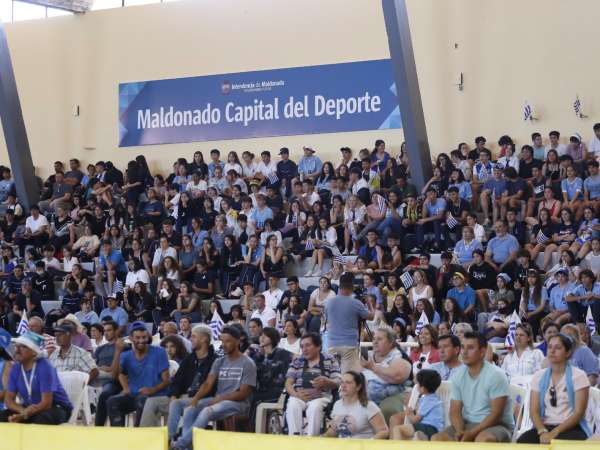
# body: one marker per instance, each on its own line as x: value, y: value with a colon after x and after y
x: 173, y: 235
x: 456, y: 214
x: 28, y: 301
x: 516, y: 194
x: 287, y: 170
x: 527, y: 163
x: 479, y: 147
x: 192, y: 372
x: 293, y: 289
x: 482, y: 278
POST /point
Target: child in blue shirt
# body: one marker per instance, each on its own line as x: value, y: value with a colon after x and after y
x: 428, y: 417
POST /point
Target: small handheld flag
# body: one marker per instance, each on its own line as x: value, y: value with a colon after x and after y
x: 577, y: 108
x: 512, y: 329
x: 216, y: 325
x: 451, y: 221
x: 528, y: 112
x: 272, y: 177
x: 309, y: 245
x: 589, y: 321
x: 542, y: 238
x: 407, y: 280
x: 423, y: 320
x: 23, y: 326
x: 381, y: 207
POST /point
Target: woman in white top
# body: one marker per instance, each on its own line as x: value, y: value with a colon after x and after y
x: 325, y: 239
x: 169, y: 269
x: 524, y: 360
x: 420, y: 288
x: 233, y: 163
x: 354, y: 415
x: 559, y: 397
x: 354, y: 217
x: 248, y: 166
x: 291, y: 337
x: 316, y: 304
x: 136, y: 273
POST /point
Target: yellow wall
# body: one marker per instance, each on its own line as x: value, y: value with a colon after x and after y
x: 509, y: 50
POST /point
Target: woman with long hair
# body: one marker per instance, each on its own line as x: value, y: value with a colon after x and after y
x: 559, y: 397
x: 271, y: 261
x: 139, y: 303
x: 451, y: 312
x: 187, y: 258
x: 391, y: 289
x: 542, y: 238
x: 427, y: 352
x: 174, y: 348
x: 534, y: 299
x: 423, y: 305
x: 210, y: 254
x: 565, y: 232
x: 169, y: 269
x: 354, y: 415
x: 291, y: 337
x: 524, y: 359
x: 198, y: 165
x: 323, y: 182
x: 420, y: 288
x: 457, y: 179
x: 316, y: 304
x: 294, y: 220
x: 355, y: 216
x: 325, y: 238
x: 233, y: 163
x: 401, y: 309
x: 187, y: 304
x: 231, y: 258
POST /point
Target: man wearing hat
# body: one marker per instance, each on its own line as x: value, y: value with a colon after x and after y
x: 287, y: 171
x: 463, y: 294
x: 78, y: 337
x: 234, y: 376
x: 144, y: 373
x: 68, y: 357
x: 35, y: 381
x: 310, y: 165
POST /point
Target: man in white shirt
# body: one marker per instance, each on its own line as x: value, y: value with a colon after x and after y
x: 273, y: 294
x: 163, y: 250
x: 594, y: 145
x: 309, y: 196
x: 266, y: 166
x: 561, y: 149
x: 36, y: 231
x: 266, y: 315
x: 197, y: 187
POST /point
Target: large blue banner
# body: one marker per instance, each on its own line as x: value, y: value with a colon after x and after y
x: 318, y: 99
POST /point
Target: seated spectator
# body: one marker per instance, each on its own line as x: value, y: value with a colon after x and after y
x: 385, y: 373
x: 273, y: 294
x: 192, y: 373
x: 581, y: 355
x: 255, y: 327
x: 354, y: 416
x: 188, y: 304
x: 139, y: 303
x: 68, y: 357
x: 524, y: 360
x: 585, y: 295
x: 559, y: 309
x: 480, y: 407
x: 233, y: 376
x: 28, y: 302
x: 534, y: 299
x: 559, y: 397
x: 449, y: 349
x: 463, y: 294
x: 316, y: 304
x: 451, y: 312
x: 495, y: 323
x: 266, y: 315
x: 86, y: 314
x: 423, y: 305
x: 6, y: 363
x: 549, y: 329
x: 291, y: 337
x: 420, y: 288
x: 272, y: 364
x: 502, y: 250
x: 427, y: 352
x: 111, y: 267
x: 116, y: 313
x: 176, y: 351
x: 78, y: 335
x: 144, y: 373
x: 427, y: 418
x: 43, y: 400
x: 311, y: 378
x: 482, y: 279
x: 463, y: 250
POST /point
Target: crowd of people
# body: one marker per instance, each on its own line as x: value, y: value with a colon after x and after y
x: 131, y: 256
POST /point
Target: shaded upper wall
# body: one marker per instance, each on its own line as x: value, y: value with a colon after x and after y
x: 541, y: 50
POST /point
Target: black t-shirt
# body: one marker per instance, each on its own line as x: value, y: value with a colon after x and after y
x: 548, y: 229
x: 525, y: 167
x: 563, y: 229
x: 538, y: 187
x: 201, y: 280
x: 482, y: 277
x: 97, y: 224
x: 457, y: 210
x: 514, y: 186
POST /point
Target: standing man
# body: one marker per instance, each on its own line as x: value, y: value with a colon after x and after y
x: 480, y: 407
x: 234, y: 376
x: 144, y: 372
x: 343, y: 316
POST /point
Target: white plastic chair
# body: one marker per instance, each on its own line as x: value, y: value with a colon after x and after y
x: 526, y: 422
x: 517, y: 395
x: 261, y: 413
x: 412, y: 401
x: 444, y: 393
x: 75, y: 385
x: 592, y: 414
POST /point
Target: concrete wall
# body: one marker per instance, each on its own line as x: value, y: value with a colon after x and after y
x: 541, y: 50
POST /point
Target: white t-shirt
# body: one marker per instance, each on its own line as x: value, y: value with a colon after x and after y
x: 266, y: 169
x: 529, y: 362
x: 134, y: 277
x: 34, y: 225
x: 232, y: 166
x: 272, y: 298
x: 592, y: 262
x: 292, y: 348
x: 311, y: 198
x: 352, y: 421
x: 196, y: 189
x: 557, y: 415
x: 594, y: 146
x: 265, y: 316
x: 249, y: 170
x: 161, y: 254
x: 561, y: 149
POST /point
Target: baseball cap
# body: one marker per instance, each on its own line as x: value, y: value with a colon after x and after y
x: 136, y: 326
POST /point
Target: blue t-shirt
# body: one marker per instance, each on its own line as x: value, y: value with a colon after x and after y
x: 557, y: 297
x: 343, y: 314
x: 309, y: 165
x: 45, y: 380
x: 430, y: 409
x: 496, y: 187
x: 592, y: 186
x: 256, y: 255
x: 433, y: 209
x: 260, y: 216
x: 571, y: 187
x: 146, y: 372
x: 5, y: 188
x: 501, y: 247
x: 464, y: 253
x: 583, y: 358
x: 579, y: 290
x: 531, y: 306
x: 477, y: 393
x: 118, y: 314
x: 116, y: 259
x: 465, y: 298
